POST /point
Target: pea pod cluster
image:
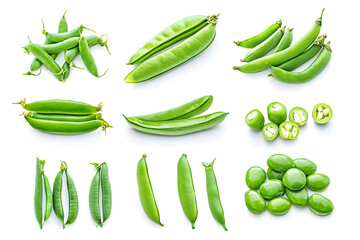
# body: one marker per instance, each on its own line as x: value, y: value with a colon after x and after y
x: 72, y: 43
x: 183, y: 40
x: 291, y: 176
x: 286, y: 57
x: 42, y: 185
x: 179, y: 120
x: 65, y: 117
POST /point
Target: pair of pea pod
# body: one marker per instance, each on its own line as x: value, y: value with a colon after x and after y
x: 54, y: 199
x: 72, y: 43
x: 65, y: 117
x: 186, y: 192
x: 286, y: 57
x: 179, y: 120
x: 181, y: 41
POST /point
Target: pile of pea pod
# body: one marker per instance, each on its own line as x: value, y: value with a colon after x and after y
x: 65, y: 117
x: 72, y: 43
x: 286, y: 57
x: 290, y: 176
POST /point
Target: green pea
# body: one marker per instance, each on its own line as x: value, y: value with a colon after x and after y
x: 272, y: 188
x: 255, y: 176
x: 254, y: 201
x: 294, y: 179
x: 305, y: 165
x: 270, y: 131
x: 255, y: 119
x: 274, y: 175
x: 277, y: 112
x: 299, y: 198
x: 279, y: 206
x: 320, y: 205
x: 280, y: 162
x: 317, y: 182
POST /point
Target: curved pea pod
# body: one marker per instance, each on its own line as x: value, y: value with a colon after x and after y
x: 174, y: 56
x: 64, y: 117
x: 49, y: 198
x: 72, y: 53
x: 320, y: 205
x: 184, y: 111
x: 73, y: 199
x: 305, y: 165
x: 294, y: 179
x: 177, y: 127
x: 317, y: 182
x: 94, y: 203
x: 272, y: 188
x: 38, y: 193
x: 59, y: 37
x: 61, y: 46
x: 106, y: 192
x: 279, y: 206
x: 186, y: 190
x: 146, y: 193
x: 255, y: 176
x: 213, y: 194
x: 254, y: 201
x: 174, y: 33
x: 274, y: 175
x: 285, y: 41
x: 299, y: 198
x: 280, y: 162
x: 57, y: 189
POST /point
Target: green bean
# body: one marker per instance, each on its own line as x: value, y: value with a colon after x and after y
x: 187, y: 110
x: 178, y: 127
x: 305, y: 56
x: 175, y: 56
x: 94, y: 203
x: 73, y: 199
x: 169, y: 36
x: 186, y: 190
x: 60, y: 46
x: 106, y: 192
x: 285, y: 41
x: 57, y: 189
x: 257, y: 39
x: 63, y: 117
x: 60, y: 106
x: 213, y: 194
x: 285, y: 55
x: 265, y: 47
x: 49, y: 197
x: 309, y: 73
x: 88, y: 58
x: 146, y: 193
x: 38, y: 192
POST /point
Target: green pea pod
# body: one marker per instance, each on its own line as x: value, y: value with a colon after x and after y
x: 265, y: 47
x: 63, y: 25
x: 63, y: 117
x: 106, y: 192
x: 59, y: 37
x: 169, y: 36
x: 213, y: 194
x: 38, y: 192
x: 185, y: 111
x: 186, y: 190
x: 73, y: 200
x: 72, y: 53
x: 49, y: 198
x: 177, y: 127
x: 94, y: 203
x: 57, y: 189
x: 261, y: 37
x: 280, y: 57
x: 309, y: 73
x: 146, y: 193
x: 174, y: 56
x: 60, y: 46
x: 285, y: 41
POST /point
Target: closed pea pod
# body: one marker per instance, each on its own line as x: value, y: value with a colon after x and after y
x: 106, y: 192
x: 64, y: 117
x: 146, y: 193
x: 186, y: 190
x: 73, y: 198
x: 38, y: 192
x: 59, y: 37
x: 57, y: 189
x: 213, y: 194
x: 271, y: 189
x: 48, y: 194
x: 285, y: 41
x: 61, y: 46
x: 94, y: 203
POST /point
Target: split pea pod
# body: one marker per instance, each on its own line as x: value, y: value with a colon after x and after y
x: 285, y: 41
x: 170, y: 35
x: 265, y: 47
x: 184, y: 111
x: 176, y: 55
x: 177, y: 127
x: 60, y: 106
x: 38, y: 192
x: 213, y: 194
x: 278, y: 58
x: 305, y: 56
x: 257, y: 39
x: 186, y: 190
x: 146, y: 193
x: 309, y: 73
x: 88, y: 58
x: 63, y: 117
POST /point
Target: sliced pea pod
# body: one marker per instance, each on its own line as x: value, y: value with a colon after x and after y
x: 270, y: 131
x: 322, y: 113
x: 288, y: 130
x: 298, y: 115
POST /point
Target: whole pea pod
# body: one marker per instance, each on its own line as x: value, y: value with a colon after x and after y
x: 60, y: 46
x: 278, y: 58
x: 59, y: 37
x: 176, y: 55
x: 146, y: 193
x: 186, y: 190
x: 94, y: 203
x: 213, y: 194
x: 64, y: 117
x: 177, y: 127
x: 285, y: 41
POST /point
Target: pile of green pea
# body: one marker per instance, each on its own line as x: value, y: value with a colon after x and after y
x: 277, y: 114
x: 290, y: 176
x: 72, y: 43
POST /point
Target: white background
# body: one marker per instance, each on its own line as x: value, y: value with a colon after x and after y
x: 333, y: 147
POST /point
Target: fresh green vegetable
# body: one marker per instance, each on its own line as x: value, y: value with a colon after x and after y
x: 285, y: 41
x: 60, y: 46
x: 270, y: 131
x: 272, y: 188
x: 320, y: 205
x: 277, y: 112
x: 274, y: 175
x: 254, y: 201
x: 288, y: 130
x: 322, y: 113
x: 299, y: 198
x: 255, y: 119
x: 305, y: 165
x: 279, y: 206
x: 255, y: 176
x: 38, y: 193
x: 64, y: 117
x: 294, y: 179
x: 317, y: 182
x: 298, y: 115
x: 280, y: 162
